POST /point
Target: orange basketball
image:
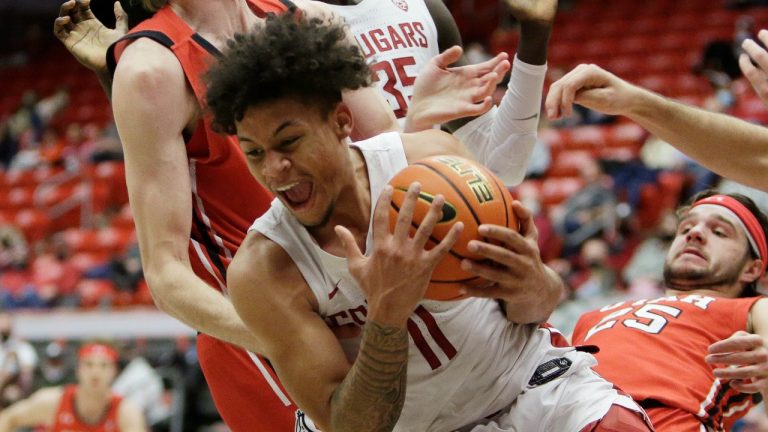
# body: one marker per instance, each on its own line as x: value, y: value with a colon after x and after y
x: 473, y: 195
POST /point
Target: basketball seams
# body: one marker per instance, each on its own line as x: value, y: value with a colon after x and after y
x: 456, y: 189
x: 414, y: 225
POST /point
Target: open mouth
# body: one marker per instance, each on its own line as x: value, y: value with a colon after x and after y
x: 296, y: 194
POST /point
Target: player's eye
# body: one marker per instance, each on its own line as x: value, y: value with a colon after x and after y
x: 255, y: 153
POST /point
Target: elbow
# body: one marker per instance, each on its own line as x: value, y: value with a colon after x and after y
x: 158, y: 287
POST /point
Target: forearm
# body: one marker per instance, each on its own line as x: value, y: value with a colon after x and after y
x: 537, y: 309
x: 372, y: 395
x: 178, y: 292
x: 726, y: 145
x: 503, y: 139
x: 534, y: 38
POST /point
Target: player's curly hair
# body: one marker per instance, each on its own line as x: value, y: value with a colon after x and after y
x: 286, y: 56
x: 751, y: 289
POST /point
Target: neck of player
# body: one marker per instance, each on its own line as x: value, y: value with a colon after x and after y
x: 216, y: 21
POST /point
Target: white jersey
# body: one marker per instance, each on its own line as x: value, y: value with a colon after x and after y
x: 397, y: 37
x: 466, y: 360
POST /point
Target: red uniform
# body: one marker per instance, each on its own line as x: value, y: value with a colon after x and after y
x: 226, y: 200
x: 67, y: 419
x: 654, y: 350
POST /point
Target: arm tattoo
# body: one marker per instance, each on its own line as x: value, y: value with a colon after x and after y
x: 372, y: 395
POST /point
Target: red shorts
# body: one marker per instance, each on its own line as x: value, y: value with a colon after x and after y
x: 244, y: 388
x: 619, y: 419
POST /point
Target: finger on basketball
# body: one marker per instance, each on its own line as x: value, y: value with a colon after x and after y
x: 405, y: 213
x: 510, y: 238
x: 428, y: 224
x: 381, y: 213
x: 448, y: 241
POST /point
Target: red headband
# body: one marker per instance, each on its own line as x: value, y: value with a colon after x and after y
x: 94, y: 349
x: 755, y: 233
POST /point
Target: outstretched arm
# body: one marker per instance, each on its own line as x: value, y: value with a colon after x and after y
x: 153, y: 105
x: 503, y: 139
x: 87, y: 39
x: 726, y: 145
x: 38, y: 409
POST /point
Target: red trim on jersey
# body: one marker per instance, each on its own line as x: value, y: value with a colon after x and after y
x: 422, y: 345
x: 436, y: 333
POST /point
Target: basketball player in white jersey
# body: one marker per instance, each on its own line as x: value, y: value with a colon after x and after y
x: 395, y: 361
x: 399, y: 37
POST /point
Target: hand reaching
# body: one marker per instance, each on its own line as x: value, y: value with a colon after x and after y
x: 394, y: 277
x: 757, y: 75
x: 85, y: 36
x: 442, y: 93
x: 745, y: 360
x: 590, y: 86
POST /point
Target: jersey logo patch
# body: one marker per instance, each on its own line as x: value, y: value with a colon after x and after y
x: 402, y: 4
x: 550, y: 370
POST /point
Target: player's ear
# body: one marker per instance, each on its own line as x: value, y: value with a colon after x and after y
x: 752, y: 271
x: 342, y: 121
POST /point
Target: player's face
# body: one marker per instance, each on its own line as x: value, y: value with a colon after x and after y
x: 710, y: 249
x: 96, y: 372
x: 297, y: 153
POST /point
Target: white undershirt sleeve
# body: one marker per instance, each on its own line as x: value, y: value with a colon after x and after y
x: 503, y: 138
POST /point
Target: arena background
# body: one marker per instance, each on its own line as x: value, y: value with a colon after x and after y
x: 602, y: 187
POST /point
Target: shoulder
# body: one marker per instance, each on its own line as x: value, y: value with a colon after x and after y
x: 47, y: 397
x: 129, y: 416
x: 148, y: 63
x: 431, y: 142
x: 260, y: 261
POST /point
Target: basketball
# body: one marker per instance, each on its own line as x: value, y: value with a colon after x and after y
x: 473, y: 195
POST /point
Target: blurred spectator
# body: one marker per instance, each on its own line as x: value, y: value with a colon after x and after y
x: 594, y: 284
x: 595, y: 278
x: 657, y: 153
x: 108, y: 147
x: 644, y: 274
x: 56, y: 368
x: 55, y: 275
x: 721, y: 56
x: 18, y: 361
x: 590, y: 212
x: 126, y: 270
x: 476, y: 53
x: 14, y: 251
x: 140, y: 383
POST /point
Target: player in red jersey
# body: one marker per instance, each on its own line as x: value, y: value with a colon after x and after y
x: 89, y: 406
x: 190, y: 191
x: 696, y: 360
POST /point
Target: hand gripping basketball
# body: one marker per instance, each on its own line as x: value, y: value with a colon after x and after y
x: 395, y: 275
x: 473, y: 196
